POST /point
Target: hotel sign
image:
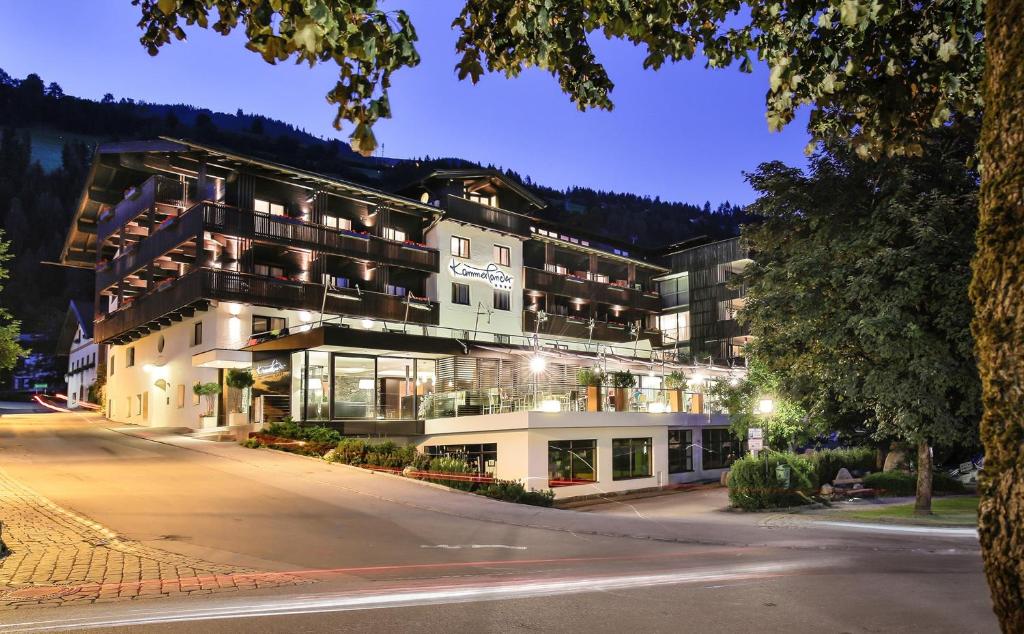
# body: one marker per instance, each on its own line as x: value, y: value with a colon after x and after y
x: 491, y: 274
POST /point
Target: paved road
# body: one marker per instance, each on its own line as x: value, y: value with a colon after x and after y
x: 244, y: 540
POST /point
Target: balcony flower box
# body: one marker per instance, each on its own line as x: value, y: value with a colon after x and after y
x: 102, y: 264
x: 362, y: 235
x: 162, y: 284
x: 166, y: 223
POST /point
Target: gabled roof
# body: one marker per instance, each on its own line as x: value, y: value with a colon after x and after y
x: 79, y: 315
x: 460, y: 174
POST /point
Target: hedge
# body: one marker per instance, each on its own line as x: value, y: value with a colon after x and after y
x: 751, y: 488
x: 828, y: 462
x: 900, y: 484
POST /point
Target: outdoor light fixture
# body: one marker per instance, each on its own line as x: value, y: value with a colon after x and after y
x: 765, y: 406
x: 234, y: 309
x: 538, y: 364
x: 367, y: 324
x: 304, y: 315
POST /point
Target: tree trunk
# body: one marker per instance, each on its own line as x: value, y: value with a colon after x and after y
x: 997, y: 291
x: 923, y: 504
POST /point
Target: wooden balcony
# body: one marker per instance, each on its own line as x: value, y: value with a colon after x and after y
x: 156, y: 190
x: 192, y: 292
x: 590, y: 291
x: 273, y: 229
x: 561, y: 326
x: 479, y: 215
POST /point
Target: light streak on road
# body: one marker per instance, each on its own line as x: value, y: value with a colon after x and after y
x: 253, y: 607
x: 471, y: 546
x: 892, y: 528
x: 49, y: 406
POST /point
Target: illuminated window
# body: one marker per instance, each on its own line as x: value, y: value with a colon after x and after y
x: 335, y: 222
x: 267, y: 207
x: 261, y: 324
x: 390, y: 233
x: 502, y: 255
x: 572, y: 462
x: 483, y: 199
x: 460, y: 247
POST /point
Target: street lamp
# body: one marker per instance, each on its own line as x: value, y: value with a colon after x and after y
x: 537, y: 365
x: 766, y: 406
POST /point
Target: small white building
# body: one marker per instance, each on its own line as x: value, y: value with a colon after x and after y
x: 76, y: 340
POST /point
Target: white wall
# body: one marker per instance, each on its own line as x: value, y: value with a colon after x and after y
x: 481, y: 252
x: 81, y: 353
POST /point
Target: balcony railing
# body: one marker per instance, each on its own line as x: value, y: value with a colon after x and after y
x: 155, y: 190
x: 562, y: 326
x: 147, y: 311
x: 276, y: 229
x: 589, y: 290
x: 485, y: 216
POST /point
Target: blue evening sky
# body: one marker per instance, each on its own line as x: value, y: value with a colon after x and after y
x: 682, y: 133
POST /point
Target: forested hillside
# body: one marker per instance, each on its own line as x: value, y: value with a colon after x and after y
x: 47, y: 143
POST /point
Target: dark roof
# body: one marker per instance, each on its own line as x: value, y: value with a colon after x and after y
x: 479, y: 172
x: 79, y: 315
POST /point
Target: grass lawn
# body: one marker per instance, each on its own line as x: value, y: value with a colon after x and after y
x: 953, y: 511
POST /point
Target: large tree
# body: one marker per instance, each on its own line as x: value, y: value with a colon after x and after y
x: 877, y: 73
x: 884, y: 329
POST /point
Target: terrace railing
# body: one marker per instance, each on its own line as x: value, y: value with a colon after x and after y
x: 480, y: 215
x: 571, y: 286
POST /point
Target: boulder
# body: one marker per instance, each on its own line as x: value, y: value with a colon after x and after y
x: 896, y: 460
x: 826, y: 489
x: 844, y: 474
x: 329, y: 456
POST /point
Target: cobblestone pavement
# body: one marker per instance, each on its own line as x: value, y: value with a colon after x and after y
x: 56, y: 557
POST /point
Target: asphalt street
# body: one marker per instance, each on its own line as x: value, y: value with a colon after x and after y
x: 380, y: 553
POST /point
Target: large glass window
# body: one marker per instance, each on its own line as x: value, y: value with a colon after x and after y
x: 680, y: 450
x: 396, y: 388
x: 631, y: 458
x: 267, y: 207
x: 483, y: 458
x: 262, y: 323
x: 354, y: 387
x: 675, y: 327
x: 572, y: 462
x: 719, y: 448
x: 318, y: 386
x: 675, y: 291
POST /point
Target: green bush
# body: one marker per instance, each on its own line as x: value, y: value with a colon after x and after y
x: 421, y: 462
x: 321, y: 434
x: 350, y: 451
x: 899, y: 484
x: 253, y: 443
x: 828, y: 462
x: 284, y: 429
x: 513, y: 491
x: 895, y: 483
x: 750, y: 488
x: 445, y: 464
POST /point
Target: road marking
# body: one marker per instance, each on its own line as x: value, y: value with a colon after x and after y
x: 396, y: 598
x: 923, y: 530
x: 471, y: 546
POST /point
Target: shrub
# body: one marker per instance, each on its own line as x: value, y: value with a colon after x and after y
x: 895, y: 483
x: 623, y: 379
x: 590, y: 377
x: 828, y: 462
x: 898, y: 483
x: 420, y: 462
x: 253, y: 443
x: 321, y: 435
x: 750, y: 488
x: 513, y: 491
x: 445, y: 464
x: 284, y: 429
x: 351, y: 451
x: 675, y: 379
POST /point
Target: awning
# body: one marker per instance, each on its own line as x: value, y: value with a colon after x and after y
x: 222, y: 358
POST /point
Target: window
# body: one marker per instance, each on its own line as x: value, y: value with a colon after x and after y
x: 675, y: 327
x: 556, y: 268
x: 675, y: 291
x: 261, y: 323
x: 138, y: 405
x: 460, y: 293
x: 267, y: 207
x: 631, y: 458
x: 572, y: 462
x: 483, y: 199
x: 335, y: 222
x: 680, y: 450
x: 390, y: 233
x: 397, y: 291
x: 502, y: 255
x: 111, y: 364
x: 197, y: 333
x: 180, y: 397
x: 719, y: 449
x: 483, y: 458
x: 268, y: 270
x: 460, y: 247
x: 129, y: 357
x: 502, y: 299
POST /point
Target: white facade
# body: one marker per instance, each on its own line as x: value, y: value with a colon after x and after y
x: 483, y: 273
x: 82, y: 361
x: 523, y: 438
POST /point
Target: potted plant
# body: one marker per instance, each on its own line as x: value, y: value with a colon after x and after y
x: 239, y: 380
x: 622, y: 382
x: 592, y: 379
x: 674, y: 383
x: 209, y: 392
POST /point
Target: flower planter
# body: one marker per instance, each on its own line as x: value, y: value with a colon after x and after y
x: 621, y: 399
x: 697, y: 404
x: 238, y: 418
x: 675, y: 400
x: 207, y: 422
x: 593, y: 398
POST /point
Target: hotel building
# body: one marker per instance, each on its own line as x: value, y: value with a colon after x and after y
x: 445, y: 314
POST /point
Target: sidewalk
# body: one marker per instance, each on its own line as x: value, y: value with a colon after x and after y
x: 58, y: 557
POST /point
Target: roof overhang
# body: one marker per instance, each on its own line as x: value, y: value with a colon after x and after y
x: 222, y: 358
x: 368, y: 341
